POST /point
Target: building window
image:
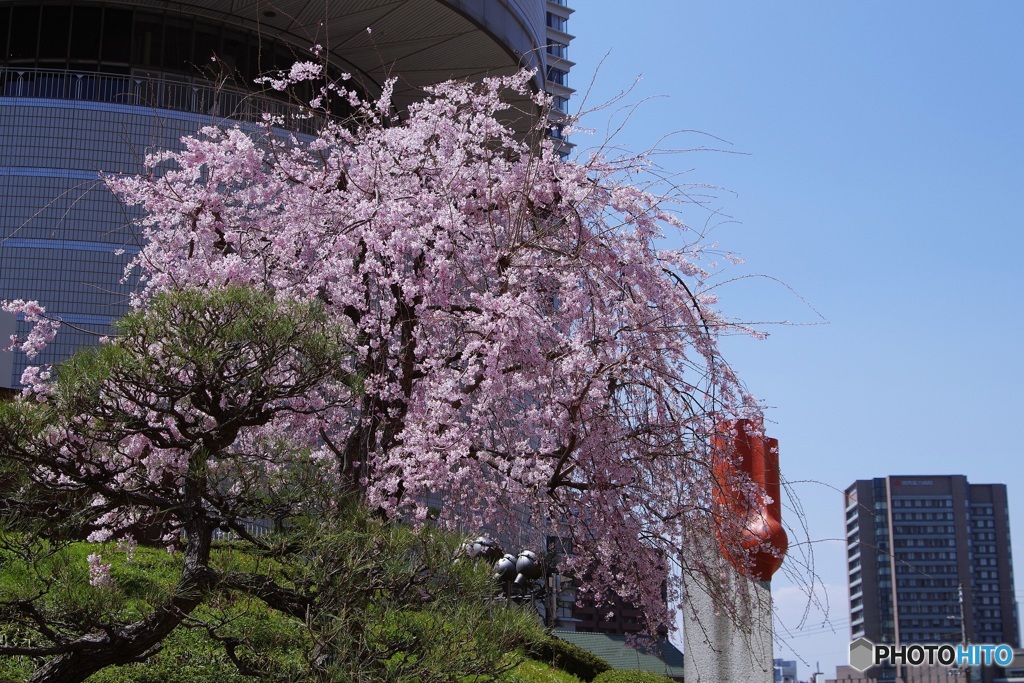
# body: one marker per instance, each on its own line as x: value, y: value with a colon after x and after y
x: 24, y: 34
x: 558, y: 50
x: 110, y: 38
x: 558, y: 76
x: 556, y: 22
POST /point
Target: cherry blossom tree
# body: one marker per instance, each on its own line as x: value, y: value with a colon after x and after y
x: 476, y: 320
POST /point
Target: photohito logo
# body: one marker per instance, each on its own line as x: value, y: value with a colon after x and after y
x: 865, y: 654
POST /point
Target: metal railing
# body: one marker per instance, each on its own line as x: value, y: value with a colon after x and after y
x: 196, y: 97
x: 253, y: 527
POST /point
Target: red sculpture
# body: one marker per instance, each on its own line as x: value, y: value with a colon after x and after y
x: 743, y: 457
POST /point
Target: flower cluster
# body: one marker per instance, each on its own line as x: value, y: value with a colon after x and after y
x: 99, y: 572
x: 43, y: 331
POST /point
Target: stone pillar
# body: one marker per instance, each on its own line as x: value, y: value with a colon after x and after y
x: 715, y: 649
x: 717, y: 646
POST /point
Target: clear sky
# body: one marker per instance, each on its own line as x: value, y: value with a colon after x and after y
x: 879, y: 175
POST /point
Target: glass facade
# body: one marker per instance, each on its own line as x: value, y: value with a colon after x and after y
x: 88, y: 88
x: 64, y: 238
x: 115, y: 38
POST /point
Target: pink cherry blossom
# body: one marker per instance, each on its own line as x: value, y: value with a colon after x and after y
x: 99, y: 572
x: 525, y: 346
x: 42, y: 333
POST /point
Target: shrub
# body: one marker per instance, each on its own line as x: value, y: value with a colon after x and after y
x: 568, y: 657
x: 531, y: 671
x: 631, y: 677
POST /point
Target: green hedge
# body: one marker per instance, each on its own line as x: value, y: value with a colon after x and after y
x: 568, y: 657
x: 532, y: 671
x: 631, y: 677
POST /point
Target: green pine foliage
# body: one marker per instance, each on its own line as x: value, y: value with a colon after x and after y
x: 396, y: 604
x: 334, y: 593
x: 59, y: 572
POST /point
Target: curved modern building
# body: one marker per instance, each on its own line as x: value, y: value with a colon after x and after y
x: 89, y: 87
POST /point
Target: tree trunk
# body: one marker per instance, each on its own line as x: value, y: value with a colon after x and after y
x: 137, y: 641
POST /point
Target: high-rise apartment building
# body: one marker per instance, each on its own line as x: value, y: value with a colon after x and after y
x: 929, y: 561
x: 90, y: 86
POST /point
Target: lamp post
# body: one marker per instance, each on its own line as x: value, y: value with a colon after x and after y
x: 956, y: 669
x: 517, y: 574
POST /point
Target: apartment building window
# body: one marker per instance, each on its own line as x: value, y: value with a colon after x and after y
x: 558, y: 50
x: 556, y: 22
x: 558, y: 76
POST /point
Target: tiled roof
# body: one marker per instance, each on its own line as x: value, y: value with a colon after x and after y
x: 614, y: 650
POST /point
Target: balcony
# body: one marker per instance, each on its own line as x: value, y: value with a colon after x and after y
x: 195, y: 96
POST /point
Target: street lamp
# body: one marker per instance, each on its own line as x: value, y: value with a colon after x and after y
x: 518, y: 571
x: 517, y: 574
x: 528, y: 568
x: 483, y: 546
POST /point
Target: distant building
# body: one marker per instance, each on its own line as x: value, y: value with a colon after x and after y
x: 613, y: 616
x: 1014, y: 673
x: 619, y: 617
x: 922, y: 674
x: 929, y: 562
x: 785, y: 671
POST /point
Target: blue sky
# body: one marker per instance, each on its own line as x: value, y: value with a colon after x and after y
x: 875, y: 167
